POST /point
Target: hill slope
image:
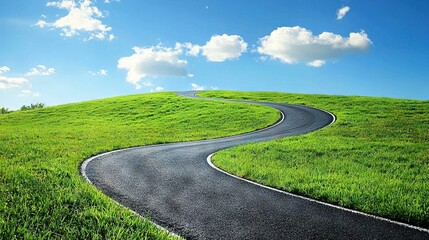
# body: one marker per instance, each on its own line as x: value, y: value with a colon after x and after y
x: 375, y: 157
x: 42, y: 194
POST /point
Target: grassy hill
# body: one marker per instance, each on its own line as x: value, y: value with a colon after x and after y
x: 374, y: 158
x: 42, y: 194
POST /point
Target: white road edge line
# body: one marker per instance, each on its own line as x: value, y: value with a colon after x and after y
x: 83, y: 173
x: 88, y: 160
x: 209, y: 161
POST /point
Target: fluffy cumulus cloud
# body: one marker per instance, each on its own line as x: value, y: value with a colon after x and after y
x: 341, y: 13
x: 82, y: 17
x: 41, y: 23
x: 190, y: 49
x: 4, y: 69
x: 10, y: 82
x: 316, y: 63
x: 224, y: 47
x: 297, y: 44
x: 40, y: 70
x: 197, y: 87
x: 154, y: 61
x: 159, y: 61
x: 218, y: 49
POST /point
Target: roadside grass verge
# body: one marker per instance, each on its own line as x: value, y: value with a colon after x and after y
x: 374, y: 158
x: 42, y: 194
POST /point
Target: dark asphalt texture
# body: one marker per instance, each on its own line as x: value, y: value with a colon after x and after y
x: 174, y: 185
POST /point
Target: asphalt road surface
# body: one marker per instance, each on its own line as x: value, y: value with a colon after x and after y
x: 175, y: 186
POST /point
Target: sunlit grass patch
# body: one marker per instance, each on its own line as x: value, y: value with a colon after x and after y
x: 375, y: 158
x: 42, y: 194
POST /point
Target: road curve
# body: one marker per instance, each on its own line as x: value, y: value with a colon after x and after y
x: 174, y: 185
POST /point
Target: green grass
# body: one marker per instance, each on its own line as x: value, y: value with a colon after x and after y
x: 375, y: 158
x: 42, y: 194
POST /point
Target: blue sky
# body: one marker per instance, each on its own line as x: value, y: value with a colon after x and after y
x: 67, y: 51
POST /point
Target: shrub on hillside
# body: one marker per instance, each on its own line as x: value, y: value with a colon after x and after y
x: 32, y: 106
x: 4, y: 110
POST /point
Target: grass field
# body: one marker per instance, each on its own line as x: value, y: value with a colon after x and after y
x: 375, y: 158
x: 42, y: 194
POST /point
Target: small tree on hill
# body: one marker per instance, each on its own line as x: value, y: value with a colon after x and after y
x: 32, y: 106
x: 4, y: 110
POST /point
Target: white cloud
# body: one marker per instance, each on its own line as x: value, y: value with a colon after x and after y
x: 297, y: 44
x: 82, y: 17
x: 64, y: 4
x: 41, y: 23
x: 218, y: 49
x: 4, y: 69
x: 191, y: 49
x: 197, y: 87
x: 28, y: 93
x: 159, y: 89
x: 316, y: 63
x: 101, y: 72
x: 40, y: 70
x: 152, y: 62
x: 224, y: 47
x: 109, y: 1
x: 159, y: 61
x: 342, y: 12
x: 10, y: 82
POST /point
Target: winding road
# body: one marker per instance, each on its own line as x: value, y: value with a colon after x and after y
x: 176, y: 187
